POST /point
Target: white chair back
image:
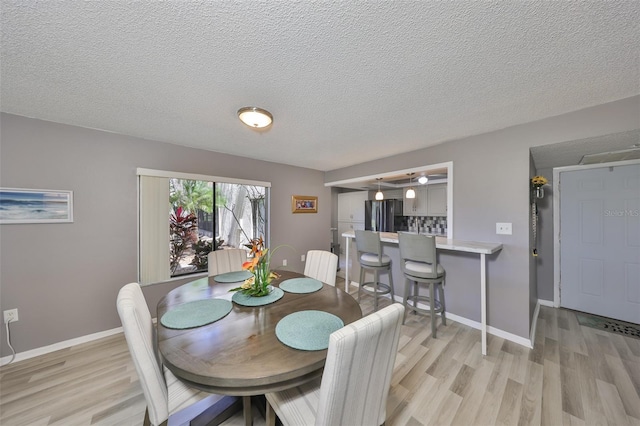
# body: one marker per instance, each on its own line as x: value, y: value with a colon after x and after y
x: 357, y: 374
x: 139, y: 333
x: 321, y: 265
x: 227, y: 260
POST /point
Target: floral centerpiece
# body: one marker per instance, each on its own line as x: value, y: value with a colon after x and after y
x: 258, y: 284
x: 538, y: 182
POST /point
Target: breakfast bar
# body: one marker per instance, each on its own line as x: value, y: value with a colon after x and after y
x: 442, y: 243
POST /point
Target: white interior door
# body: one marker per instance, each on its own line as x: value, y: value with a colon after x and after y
x: 600, y: 241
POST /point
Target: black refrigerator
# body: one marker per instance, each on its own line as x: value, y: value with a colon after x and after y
x: 383, y: 216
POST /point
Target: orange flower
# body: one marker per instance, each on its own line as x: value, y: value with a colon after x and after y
x: 257, y: 245
x: 248, y: 265
x: 258, y: 265
x: 258, y: 251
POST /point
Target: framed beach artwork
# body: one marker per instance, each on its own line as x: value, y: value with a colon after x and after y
x: 35, y: 206
x: 304, y: 204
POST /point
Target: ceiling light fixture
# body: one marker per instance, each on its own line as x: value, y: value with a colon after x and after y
x: 423, y: 179
x: 255, y: 117
x: 379, y: 194
x: 410, y: 192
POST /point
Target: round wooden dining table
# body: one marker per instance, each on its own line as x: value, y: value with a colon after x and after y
x: 240, y: 354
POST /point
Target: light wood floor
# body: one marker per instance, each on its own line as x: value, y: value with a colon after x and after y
x: 573, y: 376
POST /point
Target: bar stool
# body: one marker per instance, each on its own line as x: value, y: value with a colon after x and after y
x: 420, y: 266
x: 370, y: 257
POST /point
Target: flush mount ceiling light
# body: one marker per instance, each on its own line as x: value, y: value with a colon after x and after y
x: 410, y: 192
x: 379, y: 194
x: 255, y: 117
x: 422, y: 180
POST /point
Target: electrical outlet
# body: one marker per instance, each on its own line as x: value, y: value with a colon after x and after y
x: 284, y: 262
x: 503, y: 228
x: 10, y: 315
x: 303, y: 257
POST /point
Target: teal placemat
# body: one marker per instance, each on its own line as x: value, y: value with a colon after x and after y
x: 244, y: 300
x: 233, y: 277
x: 196, y: 313
x: 301, y: 285
x: 308, y: 330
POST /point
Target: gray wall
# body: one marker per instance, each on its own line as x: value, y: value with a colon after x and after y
x: 491, y: 184
x: 533, y: 277
x: 64, y: 278
x: 544, y: 262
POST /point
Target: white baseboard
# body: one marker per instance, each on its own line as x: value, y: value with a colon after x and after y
x: 534, y: 323
x: 492, y: 330
x: 523, y: 341
x: 21, y: 356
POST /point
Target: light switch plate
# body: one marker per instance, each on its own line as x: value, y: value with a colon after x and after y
x: 503, y: 228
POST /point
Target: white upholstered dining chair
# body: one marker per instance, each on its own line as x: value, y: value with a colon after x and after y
x: 321, y: 265
x: 164, y: 393
x: 227, y: 260
x: 355, y: 383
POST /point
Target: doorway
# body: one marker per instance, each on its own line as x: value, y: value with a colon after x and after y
x: 598, y: 258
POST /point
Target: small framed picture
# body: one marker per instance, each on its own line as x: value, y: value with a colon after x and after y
x: 35, y: 206
x: 304, y: 204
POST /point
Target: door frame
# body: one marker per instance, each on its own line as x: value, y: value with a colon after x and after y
x: 557, y: 171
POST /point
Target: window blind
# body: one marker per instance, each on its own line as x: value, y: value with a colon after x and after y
x: 154, y: 229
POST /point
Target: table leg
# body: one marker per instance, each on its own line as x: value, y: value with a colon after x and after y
x: 246, y: 411
x: 483, y: 301
x: 347, y: 281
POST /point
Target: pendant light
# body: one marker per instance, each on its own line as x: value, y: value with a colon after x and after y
x: 379, y: 194
x: 410, y: 192
x: 422, y: 180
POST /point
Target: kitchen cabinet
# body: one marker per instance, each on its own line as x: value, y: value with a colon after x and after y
x: 350, y: 214
x: 437, y: 200
x: 351, y: 206
x: 415, y: 206
x: 431, y: 200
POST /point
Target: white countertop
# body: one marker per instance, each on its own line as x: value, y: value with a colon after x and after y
x: 443, y: 243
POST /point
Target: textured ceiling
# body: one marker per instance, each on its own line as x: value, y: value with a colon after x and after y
x: 346, y: 81
x: 570, y: 153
